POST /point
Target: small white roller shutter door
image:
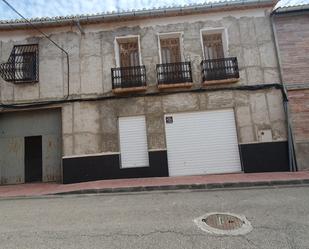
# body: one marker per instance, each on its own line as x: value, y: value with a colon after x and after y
x: 133, y: 142
x: 202, y: 143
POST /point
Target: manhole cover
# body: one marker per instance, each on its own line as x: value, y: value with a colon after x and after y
x: 223, y: 221
x: 224, y: 224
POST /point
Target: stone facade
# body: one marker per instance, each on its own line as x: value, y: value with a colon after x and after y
x: 92, y: 55
x: 91, y: 127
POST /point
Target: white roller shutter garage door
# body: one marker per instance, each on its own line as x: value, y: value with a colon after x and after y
x: 202, y: 143
x: 133, y: 142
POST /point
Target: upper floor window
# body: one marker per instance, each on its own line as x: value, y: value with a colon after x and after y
x: 214, y: 43
x: 129, y: 74
x: 25, y: 63
x: 172, y: 70
x: 217, y: 66
x: 213, y: 46
x: 128, y: 52
x: 22, y: 65
x: 170, y: 48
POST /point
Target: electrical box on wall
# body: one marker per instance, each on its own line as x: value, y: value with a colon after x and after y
x: 265, y: 135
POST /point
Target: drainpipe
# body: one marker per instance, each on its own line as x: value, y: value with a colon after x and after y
x: 290, y: 137
x: 81, y: 30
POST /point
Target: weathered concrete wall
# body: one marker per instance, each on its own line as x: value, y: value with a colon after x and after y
x: 93, y: 127
x: 92, y: 55
x: 14, y: 127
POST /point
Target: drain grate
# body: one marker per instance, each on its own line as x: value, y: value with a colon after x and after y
x: 224, y: 224
x: 223, y: 221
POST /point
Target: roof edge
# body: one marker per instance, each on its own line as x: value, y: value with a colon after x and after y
x: 131, y: 15
x: 290, y: 9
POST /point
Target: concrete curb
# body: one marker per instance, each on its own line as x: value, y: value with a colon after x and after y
x: 206, y: 186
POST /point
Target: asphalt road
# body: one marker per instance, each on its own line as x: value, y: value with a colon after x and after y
x: 280, y: 219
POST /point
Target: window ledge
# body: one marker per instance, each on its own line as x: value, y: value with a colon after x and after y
x: 129, y: 89
x: 176, y: 85
x: 217, y: 82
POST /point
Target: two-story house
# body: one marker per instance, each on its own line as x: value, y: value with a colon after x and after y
x: 148, y: 93
x: 291, y: 25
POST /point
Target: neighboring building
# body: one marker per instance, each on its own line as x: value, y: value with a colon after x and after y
x: 164, y: 92
x: 292, y: 32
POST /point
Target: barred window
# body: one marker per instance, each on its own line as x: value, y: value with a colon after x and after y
x: 22, y: 65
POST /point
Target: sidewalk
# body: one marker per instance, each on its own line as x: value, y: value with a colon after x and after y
x: 158, y: 183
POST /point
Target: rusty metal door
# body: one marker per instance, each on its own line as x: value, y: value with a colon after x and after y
x: 33, y: 159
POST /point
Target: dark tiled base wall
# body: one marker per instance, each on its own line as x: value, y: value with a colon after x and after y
x: 92, y: 168
x: 257, y: 157
x: 265, y: 157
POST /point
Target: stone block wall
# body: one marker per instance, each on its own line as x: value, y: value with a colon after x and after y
x: 92, y: 127
x: 92, y: 55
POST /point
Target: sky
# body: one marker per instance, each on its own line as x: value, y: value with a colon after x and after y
x: 48, y: 8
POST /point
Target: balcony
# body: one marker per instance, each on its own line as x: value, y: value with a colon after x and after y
x: 174, y: 75
x: 220, y: 71
x: 129, y: 79
x: 22, y: 65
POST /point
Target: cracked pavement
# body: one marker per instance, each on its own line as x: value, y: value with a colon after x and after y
x: 279, y: 216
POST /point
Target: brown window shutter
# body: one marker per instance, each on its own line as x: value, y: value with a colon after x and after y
x: 129, y: 56
x: 170, y: 50
x: 213, y: 47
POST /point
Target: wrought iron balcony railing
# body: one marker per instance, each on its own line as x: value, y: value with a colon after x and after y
x: 129, y: 77
x: 22, y: 65
x: 173, y: 73
x: 220, y: 69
